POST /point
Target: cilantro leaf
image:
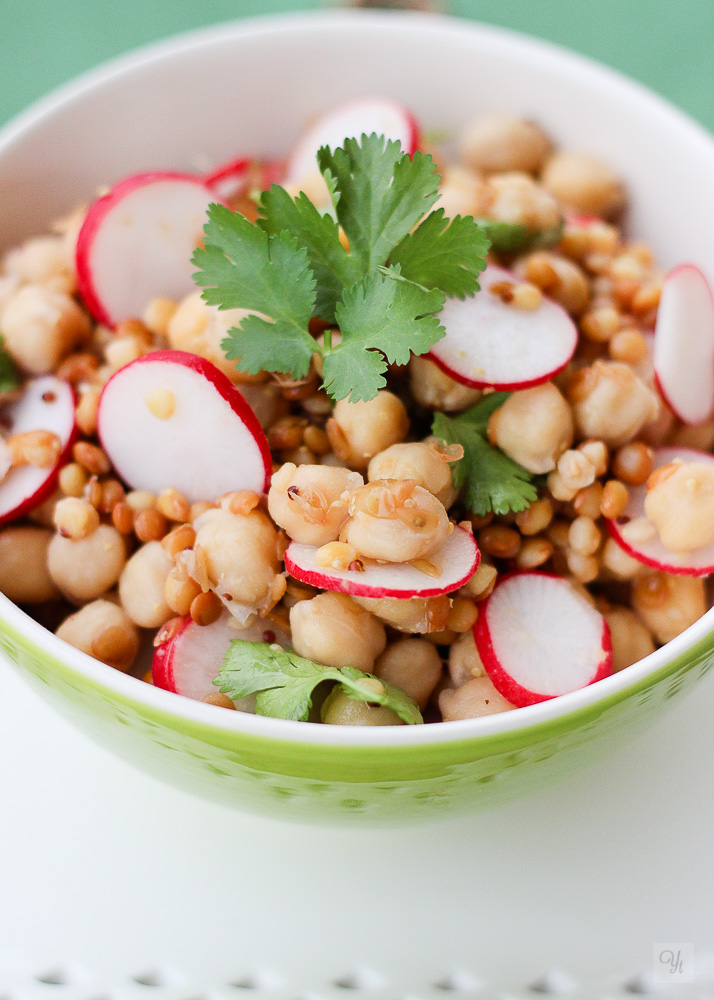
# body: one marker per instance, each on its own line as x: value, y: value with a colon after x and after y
x: 381, y: 320
x: 243, y: 267
x: 382, y: 194
x: 284, y: 682
x: 332, y: 266
x: 493, y: 481
x: 9, y: 379
x: 509, y: 237
x: 443, y: 254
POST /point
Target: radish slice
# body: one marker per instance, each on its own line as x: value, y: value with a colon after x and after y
x: 47, y: 404
x: 653, y: 553
x: 458, y: 559
x: 173, y: 419
x: 538, y: 638
x: 351, y: 121
x: 137, y: 241
x: 241, y: 176
x: 684, y: 344
x: 491, y: 344
x: 188, y: 662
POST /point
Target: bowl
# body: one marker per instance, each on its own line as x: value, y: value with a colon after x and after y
x: 193, y: 101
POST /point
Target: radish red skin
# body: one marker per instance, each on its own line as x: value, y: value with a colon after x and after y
x: 499, y: 386
x: 325, y: 581
x: 95, y: 217
x: 504, y: 683
x: 47, y: 488
x: 162, y: 670
x: 221, y: 383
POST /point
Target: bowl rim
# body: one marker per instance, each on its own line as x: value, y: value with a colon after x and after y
x: 562, y: 709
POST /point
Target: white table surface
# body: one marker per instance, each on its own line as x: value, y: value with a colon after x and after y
x: 106, y: 874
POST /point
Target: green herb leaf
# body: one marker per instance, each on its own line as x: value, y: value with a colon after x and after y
x: 492, y: 481
x: 381, y: 320
x: 284, y: 682
x: 243, y: 267
x: 443, y: 254
x: 382, y: 194
x: 9, y: 378
x: 508, y: 237
x: 333, y: 268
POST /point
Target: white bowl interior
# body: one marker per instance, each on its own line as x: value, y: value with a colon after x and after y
x: 248, y: 88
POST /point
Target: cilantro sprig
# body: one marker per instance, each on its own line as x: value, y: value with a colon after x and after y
x: 492, y: 481
x: 384, y: 285
x: 9, y: 378
x: 284, y: 682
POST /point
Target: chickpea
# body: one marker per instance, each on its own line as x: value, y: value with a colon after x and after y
x: 631, y: 640
x: 517, y: 199
x: 142, y: 586
x: 476, y: 698
x: 461, y: 192
x: 427, y: 463
x: 24, y: 576
x: 504, y: 142
x: 44, y: 260
x: 240, y: 553
x: 341, y: 710
x: 199, y: 328
x: 359, y: 431
x: 420, y: 615
x: 41, y: 326
x: 464, y: 660
x: 534, y: 427
x: 334, y: 630
x: 561, y: 279
x: 310, y: 501
x: 482, y: 582
x: 9, y: 284
x: 103, y: 630
x: 87, y: 567
x: 611, y: 403
x: 395, y: 521
x: 414, y: 665
x: 435, y: 390
x: 681, y: 507
x: 618, y: 564
x: 584, y: 184
x: 668, y: 604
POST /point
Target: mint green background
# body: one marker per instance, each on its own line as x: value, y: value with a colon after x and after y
x: 666, y: 44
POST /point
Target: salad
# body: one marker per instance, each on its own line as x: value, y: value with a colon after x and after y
x: 372, y: 436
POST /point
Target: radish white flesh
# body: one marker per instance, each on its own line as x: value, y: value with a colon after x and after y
x: 538, y: 638
x: 684, y: 344
x: 351, y: 121
x: 137, y: 241
x: 229, y: 179
x: 47, y: 404
x: 653, y: 553
x: 491, y: 343
x: 172, y: 419
x: 457, y: 559
x: 188, y: 662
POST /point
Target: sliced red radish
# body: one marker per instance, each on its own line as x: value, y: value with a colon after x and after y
x: 239, y: 176
x: 491, y: 343
x: 136, y: 243
x: 457, y: 561
x: 188, y: 662
x: 538, y: 638
x: 652, y: 552
x: 350, y: 121
x: 684, y: 344
x: 172, y: 419
x: 47, y: 404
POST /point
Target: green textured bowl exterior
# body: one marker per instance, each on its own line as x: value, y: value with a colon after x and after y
x: 314, y: 782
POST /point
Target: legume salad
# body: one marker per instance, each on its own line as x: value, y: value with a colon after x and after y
x: 372, y: 553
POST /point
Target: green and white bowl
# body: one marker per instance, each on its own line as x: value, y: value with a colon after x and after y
x: 194, y: 101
